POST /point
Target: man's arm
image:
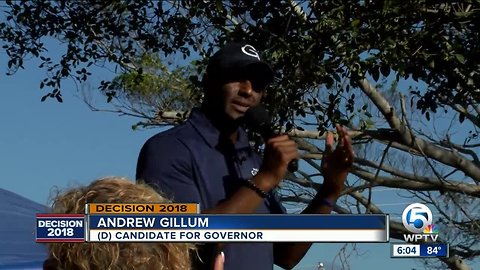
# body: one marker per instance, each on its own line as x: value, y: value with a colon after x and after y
x: 166, y: 164
x: 335, y: 167
x: 279, y: 152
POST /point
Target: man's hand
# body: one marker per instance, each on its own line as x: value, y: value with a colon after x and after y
x: 335, y: 167
x: 279, y: 151
x: 219, y: 261
x: 336, y: 163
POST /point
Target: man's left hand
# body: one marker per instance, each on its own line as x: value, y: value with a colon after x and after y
x: 337, y: 163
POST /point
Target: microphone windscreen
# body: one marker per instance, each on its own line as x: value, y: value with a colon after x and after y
x: 257, y: 118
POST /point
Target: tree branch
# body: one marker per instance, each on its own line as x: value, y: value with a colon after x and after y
x: 429, y: 184
x: 446, y: 157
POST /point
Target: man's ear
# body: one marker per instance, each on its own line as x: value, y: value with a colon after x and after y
x: 210, y: 84
x: 208, y: 87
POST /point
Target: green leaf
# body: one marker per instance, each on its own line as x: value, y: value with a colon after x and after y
x: 460, y: 58
x: 370, y: 123
x: 219, y: 5
x: 385, y: 70
x: 45, y: 97
x: 355, y: 23
x: 375, y: 73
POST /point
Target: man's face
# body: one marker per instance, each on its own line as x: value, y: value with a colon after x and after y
x: 239, y: 97
x: 235, y: 95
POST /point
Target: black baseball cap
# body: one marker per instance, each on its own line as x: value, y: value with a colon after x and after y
x: 239, y: 59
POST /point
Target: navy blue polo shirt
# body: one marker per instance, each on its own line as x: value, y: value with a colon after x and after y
x: 192, y: 163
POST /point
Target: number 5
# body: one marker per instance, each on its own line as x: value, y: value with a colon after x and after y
x: 418, y: 214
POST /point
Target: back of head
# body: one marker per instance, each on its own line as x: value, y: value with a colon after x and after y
x: 166, y: 256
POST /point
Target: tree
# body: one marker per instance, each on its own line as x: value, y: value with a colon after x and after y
x: 387, y: 69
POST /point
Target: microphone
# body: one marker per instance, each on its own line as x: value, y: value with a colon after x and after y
x: 258, y: 119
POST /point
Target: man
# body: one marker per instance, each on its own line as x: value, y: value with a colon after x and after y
x: 208, y: 159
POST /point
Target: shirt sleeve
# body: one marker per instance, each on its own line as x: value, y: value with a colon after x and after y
x: 165, y: 163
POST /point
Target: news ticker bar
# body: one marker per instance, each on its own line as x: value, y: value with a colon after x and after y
x: 211, y: 228
x: 424, y: 250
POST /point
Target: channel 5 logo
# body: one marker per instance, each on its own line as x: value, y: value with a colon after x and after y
x: 417, y: 219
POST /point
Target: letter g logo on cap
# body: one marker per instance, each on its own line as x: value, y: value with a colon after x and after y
x: 250, y: 51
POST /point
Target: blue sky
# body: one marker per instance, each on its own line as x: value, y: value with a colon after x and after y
x: 51, y: 143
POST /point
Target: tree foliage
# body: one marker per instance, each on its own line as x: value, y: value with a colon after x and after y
x: 387, y: 69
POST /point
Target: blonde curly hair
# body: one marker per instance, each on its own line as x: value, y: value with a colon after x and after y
x: 159, y: 256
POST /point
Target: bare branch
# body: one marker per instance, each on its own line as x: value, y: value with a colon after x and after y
x: 382, y: 104
x: 428, y: 149
x: 431, y: 184
x: 464, y: 111
x: 450, y: 144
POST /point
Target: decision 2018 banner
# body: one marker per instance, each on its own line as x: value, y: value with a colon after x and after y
x: 182, y: 223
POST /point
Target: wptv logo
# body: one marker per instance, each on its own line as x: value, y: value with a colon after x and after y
x: 417, y: 219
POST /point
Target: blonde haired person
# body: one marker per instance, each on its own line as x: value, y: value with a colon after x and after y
x: 158, y: 256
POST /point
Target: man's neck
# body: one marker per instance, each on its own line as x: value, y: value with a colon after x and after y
x: 227, y: 127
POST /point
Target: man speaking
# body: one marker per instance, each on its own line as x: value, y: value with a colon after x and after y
x: 208, y: 159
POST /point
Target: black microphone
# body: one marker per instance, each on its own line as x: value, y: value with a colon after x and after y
x: 258, y: 119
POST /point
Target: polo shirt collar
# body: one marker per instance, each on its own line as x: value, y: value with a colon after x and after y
x: 210, y: 133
